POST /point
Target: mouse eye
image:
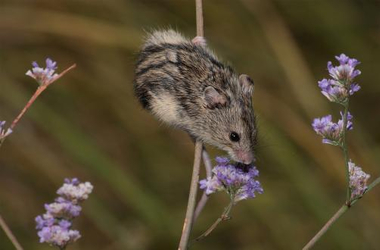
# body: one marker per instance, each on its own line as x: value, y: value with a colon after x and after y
x: 234, y: 137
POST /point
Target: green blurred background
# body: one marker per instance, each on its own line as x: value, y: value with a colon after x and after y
x: 89, y: 124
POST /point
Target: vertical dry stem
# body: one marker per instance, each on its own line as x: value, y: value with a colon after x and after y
x: 199, y: 17
x: 202, y: 202
x: 189, y: 219
x: 9, y: 234
x: 187, y: 225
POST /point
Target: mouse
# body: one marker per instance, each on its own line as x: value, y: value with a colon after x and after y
x: 184, y: 84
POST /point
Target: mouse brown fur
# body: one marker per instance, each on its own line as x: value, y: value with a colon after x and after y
x: 185, y: 85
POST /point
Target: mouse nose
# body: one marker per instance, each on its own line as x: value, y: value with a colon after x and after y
x: 245, y: 157
x: 243, y: 167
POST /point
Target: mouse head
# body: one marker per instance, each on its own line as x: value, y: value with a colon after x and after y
x: 230, y: 121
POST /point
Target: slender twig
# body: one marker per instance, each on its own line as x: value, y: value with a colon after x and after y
x: 202, y: 202
x: 199, y: 17
x: 326, y: 227
x: 207, y: 163
x: 337, y: 215
x: 10, y: 235
x: 373, y: 184
x: 225, y: 216
x: 345, y: 152
x: 36, y: 94
x: 39, y: 90
x: 187, y: 225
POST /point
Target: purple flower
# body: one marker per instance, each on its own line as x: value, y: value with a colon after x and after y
x: 354, y: 88
x: 63, y: 209
x: 4, y: 132
x: 358, y: 180
x: 343, y: 59
x: 46, y: 220
x: 334, y: 91
x: 73, y: 181
x: 54, y: 227
x: 50, y: 64
x: 58, y: 236
x: 341, y: 86
x: 65, y: 224
x: 222, y: 160
x: 238, y: 184
x: 330, y: 131
x: 43, y: 76
x: 346, y: 70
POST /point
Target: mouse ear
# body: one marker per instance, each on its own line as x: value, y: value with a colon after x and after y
x: 213, y: 98
x: 246, y: 84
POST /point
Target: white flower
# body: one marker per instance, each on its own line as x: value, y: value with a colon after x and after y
x: 76, y: 192
x: 358, y: 180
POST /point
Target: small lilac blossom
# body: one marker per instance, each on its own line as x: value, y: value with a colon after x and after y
x: 54, y: 227
x: 330, y: 131
x: 237, y: 183
x: 46, y: 75
x: 58, y: 236
x: 341, y: 86
x: 333, y: 91
x: 4, y: 132
x: 358, y: 180
x: 346, y: 70
x: 63, y: 209
x: 75, y: 190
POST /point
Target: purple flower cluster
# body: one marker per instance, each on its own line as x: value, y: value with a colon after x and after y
x: 358, y: 180
x: 4, y: 132
x: 43, y: 76
x: 239, y: 184
x: 341, y: 85
x: 330, y: 131
x: 54, y: 227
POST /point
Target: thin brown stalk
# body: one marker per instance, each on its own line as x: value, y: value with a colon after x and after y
x: 225, y: 216
x: 326, y: 227
x: 202, y: 202
x: 9, y: 234
x: 38, y: 92
x: 187, y: 225
x: 199, y: 17
x: 189, y: 219
x: 336, y: 216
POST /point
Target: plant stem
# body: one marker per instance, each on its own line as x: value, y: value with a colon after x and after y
x: 10, y: 235
x: 336, y: 216
x: 187, y: 225
x: 373, y: 184
x: 326, y: 227
x: 189, y: 219
x: 225, y: 216
x: 39, y: 90
x: 199, y: 17
x: 36, y: 94
x: 202, y: 202
x: 345, y: 152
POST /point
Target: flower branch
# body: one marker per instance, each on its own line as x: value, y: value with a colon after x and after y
x: 225, y: 216
x: 44, y: 77
x: 338, y: 90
